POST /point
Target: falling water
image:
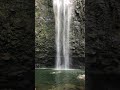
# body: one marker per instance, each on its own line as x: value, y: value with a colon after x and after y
x: 62, y: 11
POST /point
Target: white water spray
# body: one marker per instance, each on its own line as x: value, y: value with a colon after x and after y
x: 62, y: 11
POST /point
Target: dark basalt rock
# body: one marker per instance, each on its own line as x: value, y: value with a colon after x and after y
x: 16, y: 44
x: 102, y: 36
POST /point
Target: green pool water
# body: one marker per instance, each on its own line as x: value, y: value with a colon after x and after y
x: 51, y: 79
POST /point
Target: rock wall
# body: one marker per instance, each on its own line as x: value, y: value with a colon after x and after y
x: 103, y: 33
x: 102, y: 44
x: 45, y: 34
x: 17, y: 44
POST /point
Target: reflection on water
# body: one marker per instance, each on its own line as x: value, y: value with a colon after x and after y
x: 49, y: 79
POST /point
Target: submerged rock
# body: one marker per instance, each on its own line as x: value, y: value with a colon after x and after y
x: 81, y: 77
x: 56, y: 72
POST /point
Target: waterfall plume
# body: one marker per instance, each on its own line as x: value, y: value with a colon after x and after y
x: 62, y: 12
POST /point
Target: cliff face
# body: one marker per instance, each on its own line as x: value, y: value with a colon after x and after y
x: 16, y: 44
x: 45, y: 34
x: 102, y: 44
x: 102, y: 36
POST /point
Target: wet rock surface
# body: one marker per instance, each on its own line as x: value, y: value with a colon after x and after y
x: 45, y: 34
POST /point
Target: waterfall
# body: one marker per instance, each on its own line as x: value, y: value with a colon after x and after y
x: 62, y: 12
